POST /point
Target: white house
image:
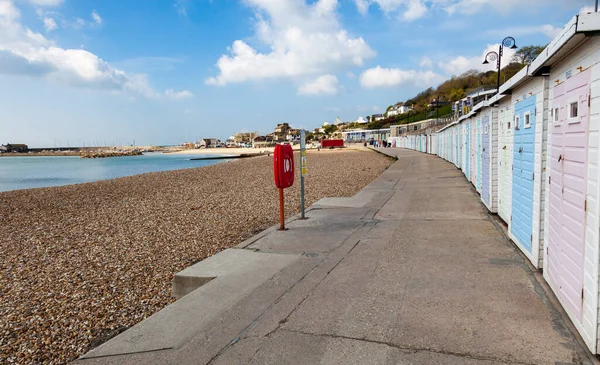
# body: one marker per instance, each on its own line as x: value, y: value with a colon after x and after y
x: 398, y: 109
x: 3, y: 149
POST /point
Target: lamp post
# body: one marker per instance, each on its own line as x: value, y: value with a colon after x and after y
x: 497, y: 56
x: 437, y: 106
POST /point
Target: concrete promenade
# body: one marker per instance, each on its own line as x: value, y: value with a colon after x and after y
x: 411, y: 270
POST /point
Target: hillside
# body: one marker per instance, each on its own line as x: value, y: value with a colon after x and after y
x: 457, y: 87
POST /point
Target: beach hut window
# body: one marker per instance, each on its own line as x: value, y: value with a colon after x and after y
x: 573, y: 112
x: 508, y: 125
x: 556, y: 114
x: 517, y: 120
x: 527, y: 120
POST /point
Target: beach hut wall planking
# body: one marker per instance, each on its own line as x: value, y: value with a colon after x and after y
x: 505, y: 157
x: 472, y: 150
x: 489, y: 158
x: 478, y: 153
x: 571, y: 260
x: 529, y: 124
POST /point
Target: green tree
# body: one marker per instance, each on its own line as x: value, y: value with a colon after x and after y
x: 525, y: 55
x: 330, y: 128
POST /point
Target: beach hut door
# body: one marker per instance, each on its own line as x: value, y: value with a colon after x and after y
x: 568, y: 190
x: 523, y: 167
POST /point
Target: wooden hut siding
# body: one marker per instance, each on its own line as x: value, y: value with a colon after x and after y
x: 505, y: 157
x: 583, y: 58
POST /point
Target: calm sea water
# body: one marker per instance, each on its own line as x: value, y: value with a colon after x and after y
x: 36, y: 172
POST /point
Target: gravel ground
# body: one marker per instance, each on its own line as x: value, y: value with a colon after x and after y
x: 81, y: 263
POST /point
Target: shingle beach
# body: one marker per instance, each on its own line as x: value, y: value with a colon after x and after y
x: 80, y: 263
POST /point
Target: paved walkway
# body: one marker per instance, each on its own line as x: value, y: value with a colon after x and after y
x: 411, y: 270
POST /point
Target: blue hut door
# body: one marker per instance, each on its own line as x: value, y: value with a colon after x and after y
x: 485, y: 160
x: 522, y: 192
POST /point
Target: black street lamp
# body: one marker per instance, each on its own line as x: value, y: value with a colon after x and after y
x: 497, y: 56
x: 437, y: 106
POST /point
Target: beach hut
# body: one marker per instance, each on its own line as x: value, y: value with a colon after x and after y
x: 489, y: 155
x: 505, y: 157
x: 478, y: 155
x: 571, y: 258
x: 472, y: 150
x: 522, y: 137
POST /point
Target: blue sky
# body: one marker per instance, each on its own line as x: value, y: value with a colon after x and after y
x: 160, y: 71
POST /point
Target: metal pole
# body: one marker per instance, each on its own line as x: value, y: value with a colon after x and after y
x: 499, y: 64
x: 281, y: 211
x: 302, y: 170
x: 596, y: 6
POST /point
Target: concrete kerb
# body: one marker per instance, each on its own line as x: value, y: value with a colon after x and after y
x: 393, y: 157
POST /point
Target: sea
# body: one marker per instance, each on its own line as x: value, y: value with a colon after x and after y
x: 27, y: 172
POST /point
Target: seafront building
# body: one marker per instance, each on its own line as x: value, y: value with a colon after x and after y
x: 365, y: 135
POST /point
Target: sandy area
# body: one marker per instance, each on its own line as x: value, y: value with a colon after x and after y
x: 236, y: 151
x: 80, y: 263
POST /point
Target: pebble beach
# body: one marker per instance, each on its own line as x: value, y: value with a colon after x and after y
x: 81, y: 263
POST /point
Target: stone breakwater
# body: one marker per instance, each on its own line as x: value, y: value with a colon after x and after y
x: 81, y: 263
x: 105, y: 154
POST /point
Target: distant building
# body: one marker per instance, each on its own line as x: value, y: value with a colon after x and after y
x: 361, y: 120
x: 243, y: 139
x: 366, y: 135
x: 377, y: 117
x: 397, y: 110
x: 281, y: 131
x: 209, y: 143
x: 464, y: 106
x: 3, y: 149
x: 21, y: 148
x: 263, y: 141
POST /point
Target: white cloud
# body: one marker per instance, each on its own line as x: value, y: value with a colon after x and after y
x: 426, y: 62
x: 387, y: 77
x: 180, y: 7
x: 587, y: 9
x: 416, y: 9
x: 461, y: 64
x: 49, y: 24
x: 503, y: 7
x: 549, y: 30
x: 303, y: 40
x: 412, y: 9
x: 47, y: 3
x: 96, y: 17
x: 322, y: 85
x: 24, y: 52
x: 8, y: 10
x: 362, y: 6
x: 184, y: 94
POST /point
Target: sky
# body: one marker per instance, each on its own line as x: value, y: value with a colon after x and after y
x: 162, y: 72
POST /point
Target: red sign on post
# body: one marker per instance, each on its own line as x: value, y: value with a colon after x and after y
x: 283, y: 161
x: 283, y: 167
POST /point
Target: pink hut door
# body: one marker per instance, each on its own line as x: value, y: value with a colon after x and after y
x: 568, y: 190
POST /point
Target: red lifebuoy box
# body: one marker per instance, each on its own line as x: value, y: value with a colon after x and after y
x: 283, y: 163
